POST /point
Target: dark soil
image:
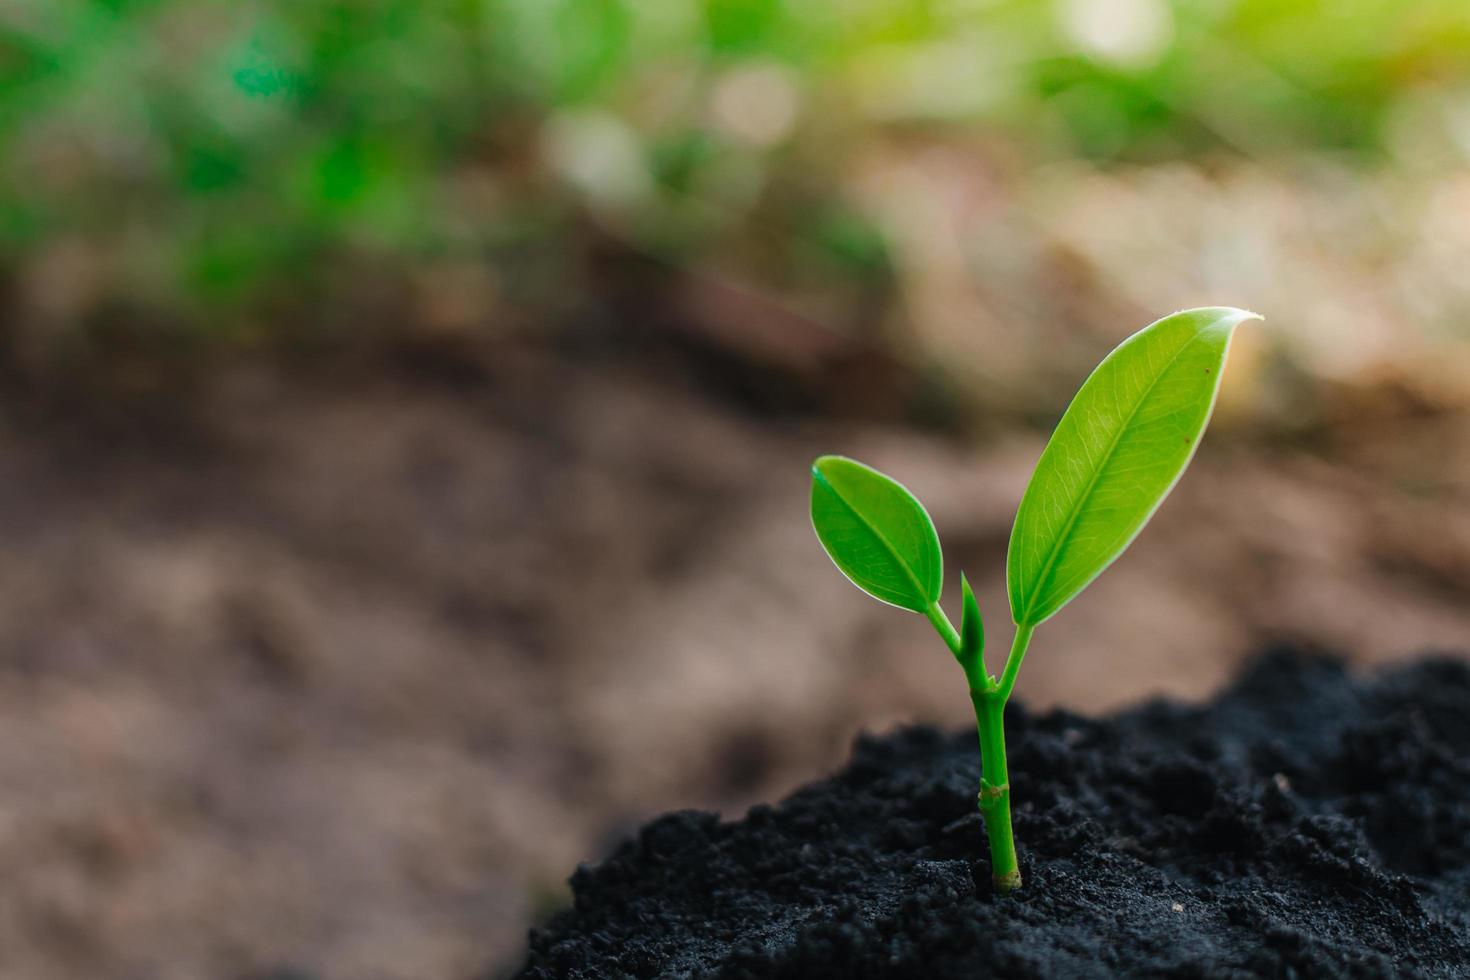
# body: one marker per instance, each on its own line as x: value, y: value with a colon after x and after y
x: 1306, y: 823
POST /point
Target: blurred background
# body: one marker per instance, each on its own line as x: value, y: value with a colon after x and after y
x: 405, y: 411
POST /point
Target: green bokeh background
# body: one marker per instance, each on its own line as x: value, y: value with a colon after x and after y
x: 233, y: 168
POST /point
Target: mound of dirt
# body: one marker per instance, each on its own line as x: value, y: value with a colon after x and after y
x: 1306, y: 823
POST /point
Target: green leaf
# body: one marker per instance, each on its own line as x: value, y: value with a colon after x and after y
x: 972, y: 628
x: 1115, y: 455
x: 876, y: 533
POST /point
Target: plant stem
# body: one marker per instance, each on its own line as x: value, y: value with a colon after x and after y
x: 995, y: 781
x: 1013, y: 662
x: 944, y: 627
x: 989, y: 697
x: 995, y: 789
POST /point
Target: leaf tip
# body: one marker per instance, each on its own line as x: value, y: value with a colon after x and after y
x: 1229, y: 317
x: 1240, y: 315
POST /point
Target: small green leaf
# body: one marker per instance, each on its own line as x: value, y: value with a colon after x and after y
x: 972, y: 628
x: 876, y: 533
x: 1115, y: 455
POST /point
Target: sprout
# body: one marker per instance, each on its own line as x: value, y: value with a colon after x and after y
x: 1115, y: 455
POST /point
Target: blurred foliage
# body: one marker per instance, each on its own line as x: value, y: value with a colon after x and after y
x: 227, y: 165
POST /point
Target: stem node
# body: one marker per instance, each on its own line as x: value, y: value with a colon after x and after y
x: 990, y: 795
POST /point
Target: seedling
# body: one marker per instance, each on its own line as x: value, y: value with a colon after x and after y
x: 1117, y: 452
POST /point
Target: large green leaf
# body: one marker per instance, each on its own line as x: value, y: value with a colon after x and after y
x: 876, y: 533
x: 1117, y: 452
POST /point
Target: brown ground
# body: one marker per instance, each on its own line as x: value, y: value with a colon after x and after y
x: 344, y: 670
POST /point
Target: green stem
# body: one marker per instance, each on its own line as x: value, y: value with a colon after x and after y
x: 995, y: 780
x: 989, y: 697
x: 945, y: 628
x: 1013, y: 662
x: 995, y: 789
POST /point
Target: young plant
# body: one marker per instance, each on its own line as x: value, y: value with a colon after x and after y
x: 1117, y: 452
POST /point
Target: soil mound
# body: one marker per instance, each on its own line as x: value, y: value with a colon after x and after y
x: 1306, y: 823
